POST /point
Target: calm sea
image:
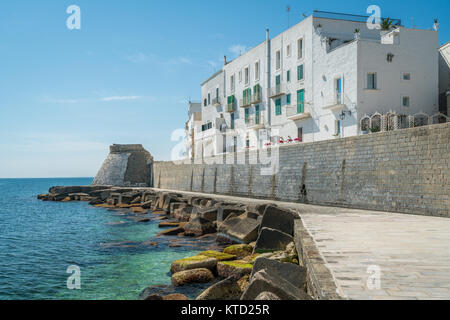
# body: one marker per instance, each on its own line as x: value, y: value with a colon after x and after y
x: 39, y: 240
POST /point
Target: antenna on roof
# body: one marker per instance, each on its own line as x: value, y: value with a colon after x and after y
x: 288, y: 10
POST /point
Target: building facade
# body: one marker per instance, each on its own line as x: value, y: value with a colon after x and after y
x: 444, y: 78
x: 316, y: 81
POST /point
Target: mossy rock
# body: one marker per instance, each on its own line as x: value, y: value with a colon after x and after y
x: 239, y: 250
x: 194, y: 262
x: 200, y: 275
x: 235, y: 268
x: 220, y: 256
x: 251, y: 258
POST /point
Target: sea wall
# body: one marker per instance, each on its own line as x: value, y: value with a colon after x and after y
x: 126, y: 165
x: 404, y: 171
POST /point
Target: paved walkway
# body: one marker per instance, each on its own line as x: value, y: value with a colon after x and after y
x: 378, y: 255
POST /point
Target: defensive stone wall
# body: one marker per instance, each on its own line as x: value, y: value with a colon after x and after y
x: 126, y: 165
x: 403, y: 171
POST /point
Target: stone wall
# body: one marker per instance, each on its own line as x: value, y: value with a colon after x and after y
x: 126, y: 165
x: 399, y: 171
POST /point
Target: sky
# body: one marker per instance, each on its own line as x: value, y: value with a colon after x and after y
x: 127, y: 74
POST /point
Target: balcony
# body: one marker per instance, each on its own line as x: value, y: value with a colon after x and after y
x: 244, y: 103
x: 216, y: 102
x: 255, y: 122
x: 256, y: 98
x: 277, y: 91
x: 295, y: 113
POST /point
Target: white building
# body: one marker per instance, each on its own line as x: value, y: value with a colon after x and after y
x: 316, y: 81
x: 444, y: 78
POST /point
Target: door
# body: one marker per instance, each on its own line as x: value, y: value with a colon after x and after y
x: 300, y: 134
x: 257, y: 114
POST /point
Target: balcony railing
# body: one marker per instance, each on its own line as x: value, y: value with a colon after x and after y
x: 231, y: 107
x: 278, y: 90
x: 256, y: 97
x: 216, y: 101
x: 244, y: 103
x: 254, y: 121
x: 298, y: 112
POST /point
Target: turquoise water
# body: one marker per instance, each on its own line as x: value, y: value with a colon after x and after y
x: 39, y: 240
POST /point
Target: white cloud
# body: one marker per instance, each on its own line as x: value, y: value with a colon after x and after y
x: 120, y: 98
x: 237, y: 49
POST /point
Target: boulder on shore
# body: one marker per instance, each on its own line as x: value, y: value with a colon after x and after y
x: 220, y: 256
x: 266, y: 295
x: 272, y: 240
x: 265, y: 282
x: 227, y: 289
x: 194, y: 262
x: 200, y: 275
x: 198, y: 227
x: 241, y: 229
x: 279, y: 219
x: 239, y: 250
x: 294, y: 274
x: 236, y: 269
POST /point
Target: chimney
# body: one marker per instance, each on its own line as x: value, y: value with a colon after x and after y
x: 225, y: 60
x: 267, y: 35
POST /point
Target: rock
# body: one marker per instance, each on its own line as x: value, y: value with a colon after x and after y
x: 136, y: 200
x: 236, y: 268
x: 153, y: 296
x: 220, y: 256
x: 175, y: 296
x: 199, y: 226
x: 194, y: 262
x: 258, y: 208
x: 243, y: 282
x: 138, y: 210
x: 200, y: 275
x: 172, y: 231
x: 168, y: 224
x: 292, y: 273
x: 265, y: 282
x: 185, y: 213
x: 174, y: 206
x: 279, y: 219
x: 142, y: 220
x: 239, y: 250
x: 272, y: 240
x: 265, y: 295
x: 238, y: 230
x: 227, y: 289
x: 210, y: 214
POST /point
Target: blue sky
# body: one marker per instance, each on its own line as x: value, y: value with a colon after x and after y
x: 126, y: 76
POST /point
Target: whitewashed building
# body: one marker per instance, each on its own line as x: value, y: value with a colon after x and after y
x: 444, y: 77
x: 316, y: 81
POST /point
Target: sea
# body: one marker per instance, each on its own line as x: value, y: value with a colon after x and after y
x: 74, y: 251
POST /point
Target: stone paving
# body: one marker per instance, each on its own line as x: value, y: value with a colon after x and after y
x: 377, y: 255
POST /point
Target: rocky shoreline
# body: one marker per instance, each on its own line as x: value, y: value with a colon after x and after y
x: 255, y: 257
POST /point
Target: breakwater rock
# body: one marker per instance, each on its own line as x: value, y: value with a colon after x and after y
x: 126, y: 165
x: 254, y: 256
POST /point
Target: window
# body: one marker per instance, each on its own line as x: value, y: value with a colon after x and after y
x: 405, y: 101
x: 300, y: 73
x: 217, y: 93
x: 337, y: 127
x: 278, y: 60
x: 246, y: 75
x: 247, y: 114
x: 406, y: 76
x: 257, y: 70
x: 278, y: 107
x: 205, y: 103
x: 338, y: 88
x: 209, y: 98
x: 288, y: 50
x: 206, y: 126
x: 232, y: 121
x: 257, y: 114
x: 232, y: 83
x: 300, y: 101
x: 288, y: 99
x: 288, y: 76
x: 240, y: 76
x: 372, y: 81
x: 300, y: 48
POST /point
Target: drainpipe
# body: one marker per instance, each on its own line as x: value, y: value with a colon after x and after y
x: 269, y: 113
